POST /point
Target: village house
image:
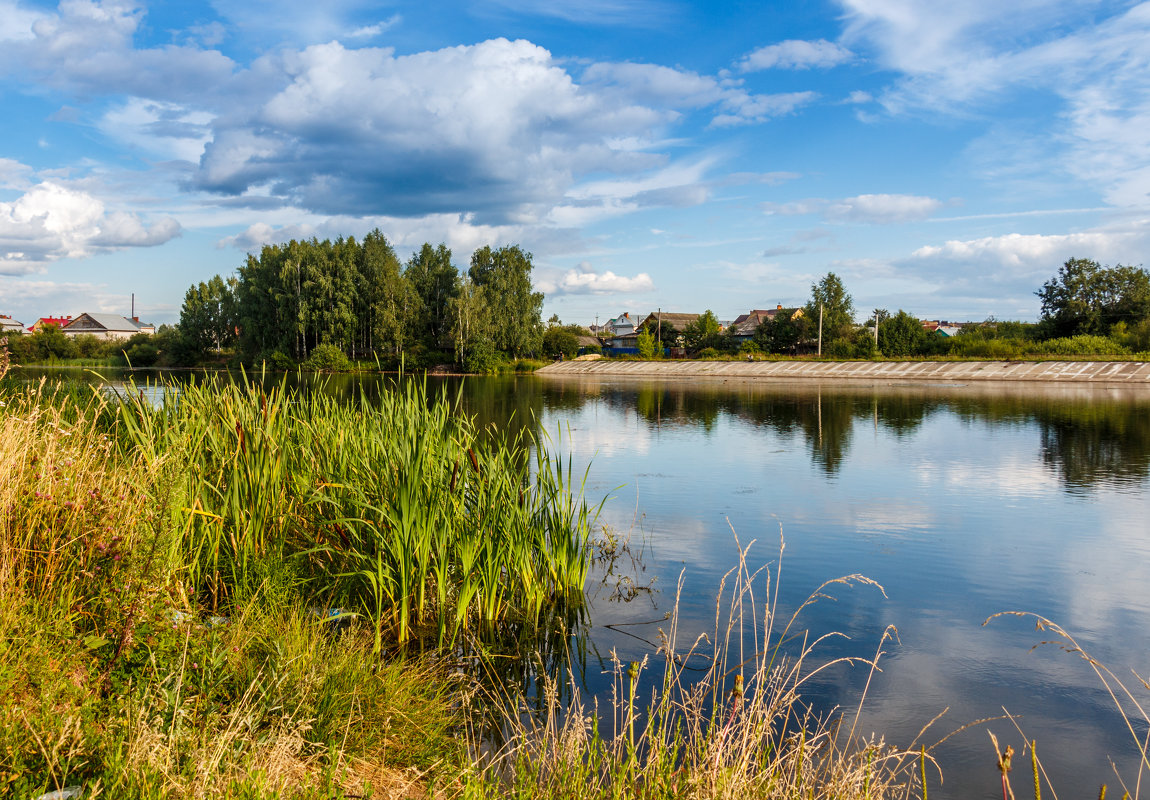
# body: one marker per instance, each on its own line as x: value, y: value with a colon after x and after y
x: 744, y: 327
x: 9, y: 325
x: 44, y: 322
x: 620, y: 325
x: 668, y: 320
x: 106, y: 326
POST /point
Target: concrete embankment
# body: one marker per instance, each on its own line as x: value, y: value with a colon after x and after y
x: 1127, y: 373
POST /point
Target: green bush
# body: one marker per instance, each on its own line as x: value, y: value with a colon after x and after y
x: 483, y: 359
x: 1083, y: 345
x: 1135, y: 338
x: 327, y: 358
x: 839, y: 348
x: 277, y: 361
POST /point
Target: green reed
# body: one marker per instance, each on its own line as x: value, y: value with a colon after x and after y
x: 398, y: 509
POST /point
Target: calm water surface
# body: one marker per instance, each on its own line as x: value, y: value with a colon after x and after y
x: 961, y: 501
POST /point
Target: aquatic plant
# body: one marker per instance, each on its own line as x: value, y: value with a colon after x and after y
x: 398, y: 509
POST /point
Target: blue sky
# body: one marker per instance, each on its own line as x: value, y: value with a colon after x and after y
x: 941, y: 158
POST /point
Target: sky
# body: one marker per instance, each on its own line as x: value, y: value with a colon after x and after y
x: 941, y: 158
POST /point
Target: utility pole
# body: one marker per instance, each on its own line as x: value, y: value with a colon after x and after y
x: 820, y: 331
x: 659, y: 329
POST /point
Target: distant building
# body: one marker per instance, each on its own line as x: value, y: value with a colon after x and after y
x: 745, y: 325
x: 44, y: 322
x: 9, y: 325
x: 104, y: 326
x: 620, y: 325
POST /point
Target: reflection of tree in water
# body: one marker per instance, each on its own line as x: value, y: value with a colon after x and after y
x: 1095, y: 445
x: 1088, y: 440
x: 903, y: 414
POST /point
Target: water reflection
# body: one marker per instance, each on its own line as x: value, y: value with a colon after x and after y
x: 1089, y: 435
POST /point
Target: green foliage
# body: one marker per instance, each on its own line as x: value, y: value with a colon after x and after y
x: 293, y: 297
x: 1135, y: 338
x: 482, y: 358
x: 842, y: 347
x: 1082, y: 345
x: 435, y: 282
x: 646, y: 344
x: 516, y: 312
x: 559, y: 341
x: 399, y: 510
x: 837, y: 310
x: 703, y: 333
x: 1087, y: 298
x: 782, y: 334
x: 902, y: 335
x: 326, y: 358
x: 208, y: 316
x: 141, y: 350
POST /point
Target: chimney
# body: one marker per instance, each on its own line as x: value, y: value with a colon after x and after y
x: 135, y: 319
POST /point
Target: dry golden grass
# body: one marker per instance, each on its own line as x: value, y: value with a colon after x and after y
x: 741, y: 731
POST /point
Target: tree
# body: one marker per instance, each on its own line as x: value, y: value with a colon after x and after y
x: 781, y: 334
x: 436, y: 282
x: 1087, y: 298
x: 516, y: 310
x: 837, y: 309
x: 471, y: 326
x: 560, y: 341
x: 703, y: 332
x: 387, y: 301
x: 208, y: 315
x: 902, y: 335
x: 646, y: 344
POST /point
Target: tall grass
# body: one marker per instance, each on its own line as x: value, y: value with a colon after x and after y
x: 400, y: 509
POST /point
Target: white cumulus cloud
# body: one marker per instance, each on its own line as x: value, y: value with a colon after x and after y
x: 585, y: 280
x: 51, y: 221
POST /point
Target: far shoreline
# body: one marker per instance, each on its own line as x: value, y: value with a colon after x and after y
x: 1116, y: 373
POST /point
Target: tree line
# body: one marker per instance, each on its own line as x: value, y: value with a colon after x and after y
x: 323, y: 301
x: 1087, y: 309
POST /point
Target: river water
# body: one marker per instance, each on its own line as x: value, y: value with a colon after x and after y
x: 961, y: 501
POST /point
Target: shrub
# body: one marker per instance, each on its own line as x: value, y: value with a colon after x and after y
x: 482, y: 359
x: 839, y: 348
x: 327, y: 358
x: 277, y: 361
x: 1083, y: 345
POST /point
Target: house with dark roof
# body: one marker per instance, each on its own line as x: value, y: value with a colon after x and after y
x: 745, y: 325
x: 668, y: 319
x: 103, y: 326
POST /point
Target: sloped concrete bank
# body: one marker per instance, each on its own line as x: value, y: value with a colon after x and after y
x: 1126, y: 373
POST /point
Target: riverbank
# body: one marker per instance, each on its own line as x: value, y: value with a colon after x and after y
x: 1097, y: 372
